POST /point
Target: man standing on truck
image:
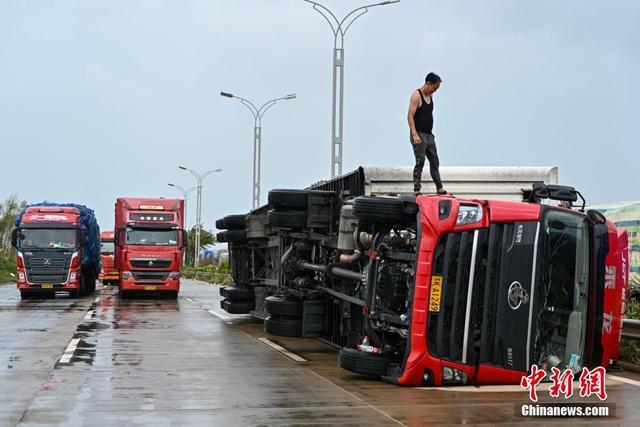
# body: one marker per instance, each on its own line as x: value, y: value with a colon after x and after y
x: 420, y: 120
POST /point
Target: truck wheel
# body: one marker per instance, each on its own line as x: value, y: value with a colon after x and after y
x: 124, y: 294
x: 25, y: 294
x: 236, y: 293
x: 363, y: 363
x: 172, y: 295
x: 289, y: 199
x: 280, y: 306
x: 234, y: 222
x: 288, y: 219
x: 384, y: 209
x: 237, y: 307
x: 221, y: 237
x: 235, y: 235
x: 220, y: 224
x: 74, y: 293
x: 283, y: 326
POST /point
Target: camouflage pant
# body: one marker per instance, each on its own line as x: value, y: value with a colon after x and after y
x: 427, y: 149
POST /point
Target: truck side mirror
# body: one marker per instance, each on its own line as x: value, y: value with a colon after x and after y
x: 118, y: 236
x: 185, y: 239
x: 14, y: 237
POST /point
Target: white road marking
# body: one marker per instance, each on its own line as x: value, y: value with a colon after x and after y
x: 221, y: 316
x: 282, y: 350
x: 68, y: 352
x: 356, y: 397
x: 89, y: 315
x: 624, y: 380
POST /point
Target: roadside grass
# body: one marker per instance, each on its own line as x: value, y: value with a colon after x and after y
x: 630, y: 349
x: 215, y: 274
x: 7, y: 267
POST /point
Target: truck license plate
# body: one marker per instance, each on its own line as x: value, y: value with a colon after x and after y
x: 150, y: 288
x: 435, y: 294
x: 47, y: 286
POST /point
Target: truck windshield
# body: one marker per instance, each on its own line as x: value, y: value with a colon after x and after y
x: 561, y: 300
x: 106, y: 247
x: 47, y: 238
x: 147, y: 237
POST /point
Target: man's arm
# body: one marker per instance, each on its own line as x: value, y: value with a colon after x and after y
x: 413, y: 106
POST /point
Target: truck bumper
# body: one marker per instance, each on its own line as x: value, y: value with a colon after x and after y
x: 73, y: 282
x: 170, y: 285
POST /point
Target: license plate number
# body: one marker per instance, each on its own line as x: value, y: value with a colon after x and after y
x: 47, y: 286
x: 150, y: 288
x: 435, y: 294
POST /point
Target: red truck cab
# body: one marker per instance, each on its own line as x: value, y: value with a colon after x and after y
x: 501, y: 286
x: 50, y: 253
x: 149, y: 244
x: 109, y: 274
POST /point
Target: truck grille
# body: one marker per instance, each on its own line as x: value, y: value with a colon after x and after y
x: 503, y: 255
x: 453, y: 264
x: 158, y: 276
x: 150, y: 262
x: 47, y: 269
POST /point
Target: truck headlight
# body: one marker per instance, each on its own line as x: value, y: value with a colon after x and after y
x: 21, y: 276
x: 453, y: 376
x: 174, y: 275
x: 469, y: 214
x: 72, y: 276
x: 126, y: 275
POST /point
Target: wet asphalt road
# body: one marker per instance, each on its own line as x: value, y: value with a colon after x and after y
x: 101, y: 361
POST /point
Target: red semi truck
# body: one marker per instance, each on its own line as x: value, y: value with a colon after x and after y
x: 108, y: 275
x: 149, y: 244
x: 58, y: 250
x: 434, y: 290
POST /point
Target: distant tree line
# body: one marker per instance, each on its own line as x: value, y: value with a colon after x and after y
x: 9, y: 210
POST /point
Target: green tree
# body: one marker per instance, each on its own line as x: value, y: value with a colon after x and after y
x: 9, y: 210
x: 206, y: 238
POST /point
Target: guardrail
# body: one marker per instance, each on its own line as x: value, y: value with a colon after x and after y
x: 216, y: 277
x: 631, y: 329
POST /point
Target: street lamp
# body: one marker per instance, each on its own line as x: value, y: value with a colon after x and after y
x: 199, y: 179
x: 257, y: 136
x: 339, y: 28
x: 185, y: 196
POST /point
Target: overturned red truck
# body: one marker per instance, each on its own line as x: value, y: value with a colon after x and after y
x: 149, y: 245
x: 434, y: 290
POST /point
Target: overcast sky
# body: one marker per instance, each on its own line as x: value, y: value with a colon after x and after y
x: 100, y: 99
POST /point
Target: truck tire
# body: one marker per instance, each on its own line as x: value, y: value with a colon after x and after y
x: 221, y: 237
x: 283, y: 326
x: 220, y: 224
x: 236, y: 293
x: 289, y: 199
x: 237, y: 307
x: 280, y: 306
x: 25, y: 294
x: 363, y: 363
x: 74, y: 293
x: 124, y: 294
x: 288, y: 219
x: 235, y: 235
x: 384, y: 209
x: 234, y: 222
x: 172, y: 295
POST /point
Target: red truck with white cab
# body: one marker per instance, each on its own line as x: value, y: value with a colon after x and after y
x: 149, y: 244
x: 108, y: 275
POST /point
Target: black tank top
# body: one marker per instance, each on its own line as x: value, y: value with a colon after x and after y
x: 423, y: 118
